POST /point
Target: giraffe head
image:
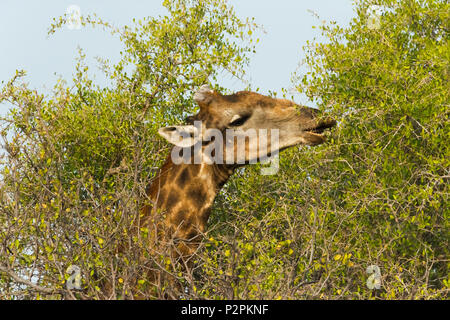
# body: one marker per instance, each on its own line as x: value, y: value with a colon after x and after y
x: 250, y: 115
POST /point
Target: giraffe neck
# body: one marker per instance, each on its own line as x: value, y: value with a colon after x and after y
x: 184, y: 194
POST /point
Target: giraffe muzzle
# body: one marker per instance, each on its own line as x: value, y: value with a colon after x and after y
x: 314, y: 135
x: 322, y: 125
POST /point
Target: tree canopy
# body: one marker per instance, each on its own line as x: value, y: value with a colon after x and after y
x: 363, y: 216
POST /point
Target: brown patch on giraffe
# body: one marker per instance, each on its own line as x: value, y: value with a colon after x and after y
x: 197, y: 195
x: 172, y: 200
x: 183, y: 177
x: 265, y: 103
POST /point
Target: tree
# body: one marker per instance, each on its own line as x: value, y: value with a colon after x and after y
x: 362, y: 217
x: 77, y: 163
x: 375, y: 198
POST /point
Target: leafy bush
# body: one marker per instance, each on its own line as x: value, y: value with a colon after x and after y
x: 77, y: 163
x: 376, y: 194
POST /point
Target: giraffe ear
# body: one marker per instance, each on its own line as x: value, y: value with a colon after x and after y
x: 204, y: 95
x: 181, y: 136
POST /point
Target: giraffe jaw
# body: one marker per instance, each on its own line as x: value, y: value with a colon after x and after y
x: 314, y: 136
x: 322, y: 126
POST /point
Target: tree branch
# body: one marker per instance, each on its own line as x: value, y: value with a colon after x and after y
x: 28, y: 283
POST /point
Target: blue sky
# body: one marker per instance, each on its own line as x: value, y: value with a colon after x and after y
x: 25, y: 44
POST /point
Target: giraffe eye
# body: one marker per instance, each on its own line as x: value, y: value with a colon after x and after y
x: 239, y: 120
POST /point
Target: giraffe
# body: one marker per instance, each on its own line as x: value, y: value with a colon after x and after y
x: 183, y: 193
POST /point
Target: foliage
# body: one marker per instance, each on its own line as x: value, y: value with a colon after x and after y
x: 376, y: 194
x: 77, y: 164
x: 78, y: 161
